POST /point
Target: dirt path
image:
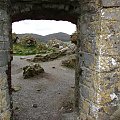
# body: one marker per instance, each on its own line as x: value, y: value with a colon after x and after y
x: 42, y: 97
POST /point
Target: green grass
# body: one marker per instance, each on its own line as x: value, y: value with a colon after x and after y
x: 19, y: 49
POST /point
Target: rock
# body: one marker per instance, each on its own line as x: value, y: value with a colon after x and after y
x: 38, y: 89
x: 22, y: 57
x: 74, y: 37
x: 35, y: 105
x: 55, y: 45
x: 16, y: 108
x: 32, y: 70
x: 70, y: 62
x: 53, y: 55
x: 16, y: 88
x: 64, y: 49
x: 42, y: 58
x: 47, y: 57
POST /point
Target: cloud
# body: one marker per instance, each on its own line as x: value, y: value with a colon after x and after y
x: 43, y: 27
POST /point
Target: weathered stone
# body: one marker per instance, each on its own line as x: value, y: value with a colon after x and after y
x: 68, y: 10
x: 48, y: 57
x: 97, y: 81
x: 6, y: 115
x: 99, y: 60
x: 70, y: 62
x: 109, y: 3
x: 32, y: 70
x: 5, y: 30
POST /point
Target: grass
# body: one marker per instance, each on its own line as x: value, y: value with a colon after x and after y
x: 19, y: 49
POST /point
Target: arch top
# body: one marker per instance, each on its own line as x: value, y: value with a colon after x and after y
x: 45, y: 9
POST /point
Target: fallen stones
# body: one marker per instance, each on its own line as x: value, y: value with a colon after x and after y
x: 32, y: 70
x: 48, y: 57
x: 70, y: 62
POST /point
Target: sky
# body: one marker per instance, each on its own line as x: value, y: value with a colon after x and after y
x: 43, y: 27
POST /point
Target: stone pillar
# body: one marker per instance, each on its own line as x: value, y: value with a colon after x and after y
x: 99, y: 60
x: 5, y: 32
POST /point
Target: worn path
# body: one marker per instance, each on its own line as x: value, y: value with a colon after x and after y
x: 42, y: 97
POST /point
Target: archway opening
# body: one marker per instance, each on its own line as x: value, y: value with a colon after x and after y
x: 49, y: 95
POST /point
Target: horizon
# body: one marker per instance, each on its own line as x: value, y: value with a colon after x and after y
x: 40, y: 35
x: 43, y: 27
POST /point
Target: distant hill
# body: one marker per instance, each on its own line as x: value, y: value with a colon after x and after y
x: 61, y: 36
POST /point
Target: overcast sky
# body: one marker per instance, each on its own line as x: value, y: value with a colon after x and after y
x: 43, y: 27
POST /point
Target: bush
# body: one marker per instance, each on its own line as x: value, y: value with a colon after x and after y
x: 28, y: 41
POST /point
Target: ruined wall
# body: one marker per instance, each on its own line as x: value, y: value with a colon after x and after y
x: 5, y: 29
x: 97, y: 81
x: 99, y: 59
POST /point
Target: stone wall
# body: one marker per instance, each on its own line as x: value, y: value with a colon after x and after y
x: 66, y: 10
x: 5, y: 29
x: 99, y: 59
x: 97, y: 82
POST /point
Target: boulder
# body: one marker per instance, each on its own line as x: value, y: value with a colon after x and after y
x: 32, y: 70
x: 70, y: 62
x: 40, y: 58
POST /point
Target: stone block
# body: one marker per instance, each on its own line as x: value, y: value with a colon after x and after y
x: 110, y: 3
x: 6, y: 115
x: 91, y: 7
x: 106, y: 64
x: 83, y: 116
x: 87, y: 17
x: 84, y: 91
x: 91, y: 29
x: 108, y: 44
x: 88, y: 60
x: 3, y: 58
x: 4, y: 100
x: 3, y: 81
x: 3, y: 16
x: 4, y: 45
x: 110, y: 27
x: 111, y: 14
x: 88, y: 44
x: 85, y: 107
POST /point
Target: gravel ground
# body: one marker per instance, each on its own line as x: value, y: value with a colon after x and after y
x: 42, y: 97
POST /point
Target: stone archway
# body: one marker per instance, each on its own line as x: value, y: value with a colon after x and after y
x: 98, y: 67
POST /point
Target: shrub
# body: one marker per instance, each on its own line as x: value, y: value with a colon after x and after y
x: 28, y: 41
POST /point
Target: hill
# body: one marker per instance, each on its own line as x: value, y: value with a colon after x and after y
x: 61, y: 36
